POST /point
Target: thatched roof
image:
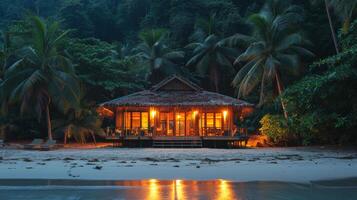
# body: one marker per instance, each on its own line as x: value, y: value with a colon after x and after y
x: 175, y: 91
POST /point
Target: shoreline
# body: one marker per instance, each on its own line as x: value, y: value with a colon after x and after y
x: 342, y: 182
x: 299, y: 165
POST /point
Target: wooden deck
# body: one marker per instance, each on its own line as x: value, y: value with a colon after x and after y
x: 179, y: 141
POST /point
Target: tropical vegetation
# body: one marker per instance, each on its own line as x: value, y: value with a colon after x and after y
x: 294, y: 59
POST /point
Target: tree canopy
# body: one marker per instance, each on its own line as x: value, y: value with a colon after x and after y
x: 68, y: 56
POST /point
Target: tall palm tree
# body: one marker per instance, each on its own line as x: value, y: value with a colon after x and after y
x: 211, y: 57
x: 42, y: 77
x: 156, y: 54
x: 344, y: 9
x: 333, y: 33
x: 327, y: 5
x: 272, y: 50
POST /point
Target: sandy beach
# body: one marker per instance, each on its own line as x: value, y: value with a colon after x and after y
x: 262, y: 164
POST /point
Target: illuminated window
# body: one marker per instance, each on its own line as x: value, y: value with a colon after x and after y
x: 202, y: 125
x: 218, y: 120
x: 180, y: 124
x: 144, y: 120
x: 210, y: 120
x: 189, y: 123
x: 127, y: 119
x: 135, y: 117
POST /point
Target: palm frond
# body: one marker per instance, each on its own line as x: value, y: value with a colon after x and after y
x: 193, y: 45
x: 14, y: 68
x: 203, y: 65
x: 222, y: 60
x: 174, y: 55
x: 242, y: 72
x: 39, y: 34
x: 238, y: 40
x: 252, y: 52
x: 251, y: 79
x: 261, y: 25
x: 290, y: 63
x: 196, y: 58
x: 152, y: 36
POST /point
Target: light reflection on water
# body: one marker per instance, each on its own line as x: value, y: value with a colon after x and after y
x: 172, y: 190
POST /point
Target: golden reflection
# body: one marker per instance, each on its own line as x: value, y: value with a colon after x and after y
x: 177, y: 190
x: 225, y: 190
x: 180, y: 193
x: 154, y: 192
x: 180, y: 190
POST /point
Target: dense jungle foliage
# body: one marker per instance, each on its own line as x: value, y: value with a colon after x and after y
x: 295, y: 60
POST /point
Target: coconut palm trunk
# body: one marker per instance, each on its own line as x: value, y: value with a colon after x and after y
x: 331, y: 27
x: 262, y: 85
x: 48, y: 120
x: 280, y: 90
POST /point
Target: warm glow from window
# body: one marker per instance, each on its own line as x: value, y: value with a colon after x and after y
x: 210, y: 120
x: 194, y: 114
x: 180, y: 124
x: 218, y: 120
x: 144, y: 120
x: 135, y: 116
x: 153, y: 113
x: 225, y: 113
x: 127, y: 119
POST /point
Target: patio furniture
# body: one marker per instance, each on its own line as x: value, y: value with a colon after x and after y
x: 36, y: 143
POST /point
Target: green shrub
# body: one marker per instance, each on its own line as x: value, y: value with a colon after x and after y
x: 276, y: 128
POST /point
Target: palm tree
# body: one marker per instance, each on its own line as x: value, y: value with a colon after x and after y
x: 80, y: 123
x: 344, y: 9
x: 205, y: 27
x: 333, y: 33
x: 211, y: 57
x: 155, y: 54
x: 272, y: 50
x: 42, y: 77
x: 327, y: 5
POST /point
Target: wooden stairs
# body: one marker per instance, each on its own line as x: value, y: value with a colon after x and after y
x: 177, y: 142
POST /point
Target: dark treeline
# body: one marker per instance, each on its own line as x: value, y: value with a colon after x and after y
x: 294, y: 59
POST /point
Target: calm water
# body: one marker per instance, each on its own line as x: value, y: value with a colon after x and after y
x: 176, y: 189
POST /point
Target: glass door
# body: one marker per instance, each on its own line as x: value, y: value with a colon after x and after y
x: 166, y: 127
x: 180, y: 124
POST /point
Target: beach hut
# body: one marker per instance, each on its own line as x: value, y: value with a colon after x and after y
x: 176, y: 109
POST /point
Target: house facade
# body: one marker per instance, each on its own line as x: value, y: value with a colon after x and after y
x: 178, y: 108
